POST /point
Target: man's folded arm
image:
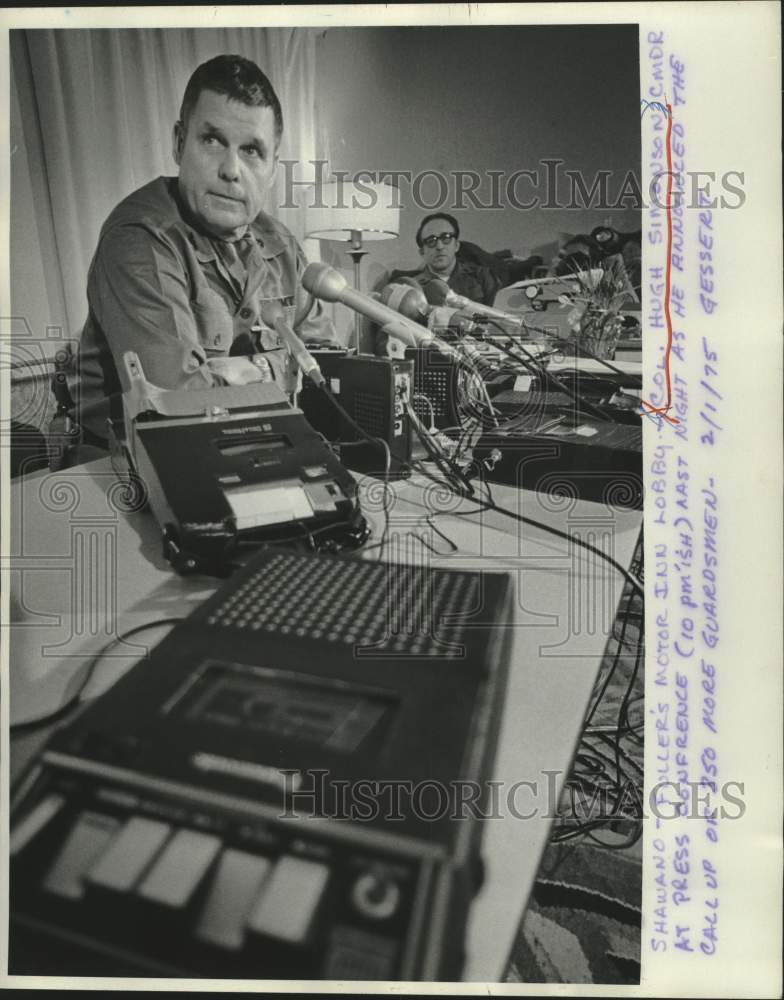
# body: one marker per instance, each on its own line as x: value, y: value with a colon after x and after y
x: 138, y: 292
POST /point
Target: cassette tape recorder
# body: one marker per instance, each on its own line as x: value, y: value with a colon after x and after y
x: 231, y: 465
x: 270, y: 793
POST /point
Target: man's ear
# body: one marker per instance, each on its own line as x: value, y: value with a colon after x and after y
x: 457, y: 245
x: 178, y: 141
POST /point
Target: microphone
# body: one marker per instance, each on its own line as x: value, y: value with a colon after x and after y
x: 454, y: 320
x: 404, y: 279
x: 440, y: 294
x: 407, y: 300
x: 329, y: 285
x: 434, y: 288
x: 273, y: 315
x: 410, y: 300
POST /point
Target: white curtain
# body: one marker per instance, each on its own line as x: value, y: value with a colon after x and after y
x: 98, y: 108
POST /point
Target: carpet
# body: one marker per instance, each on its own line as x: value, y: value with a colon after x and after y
x: 583, y: 920
x: 582, y: 924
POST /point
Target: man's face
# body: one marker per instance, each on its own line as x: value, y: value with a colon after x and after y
x: 227, y: 157
x: 440, y: 257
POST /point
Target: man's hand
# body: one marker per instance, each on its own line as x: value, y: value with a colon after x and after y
x: 241, y: 371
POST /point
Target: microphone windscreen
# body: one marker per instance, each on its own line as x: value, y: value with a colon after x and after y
x: 323, y: 281
x: 410, y: 302
x: 436, y: 291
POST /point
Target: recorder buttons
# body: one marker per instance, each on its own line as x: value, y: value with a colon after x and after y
x: 128, y: 856
x: 234, y: 890
x: 89, y: 837
x: 375, y: 896
x: 180, y: 869
x: 289, y: 900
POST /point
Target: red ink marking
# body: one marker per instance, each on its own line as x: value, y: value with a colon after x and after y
x: 662, y: 410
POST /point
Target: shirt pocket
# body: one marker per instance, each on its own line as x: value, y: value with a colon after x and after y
x: 278, y: 276
x: 268, y: 337
x: 214, y: 322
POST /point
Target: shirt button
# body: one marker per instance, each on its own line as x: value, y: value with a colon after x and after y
x: 244, y: 312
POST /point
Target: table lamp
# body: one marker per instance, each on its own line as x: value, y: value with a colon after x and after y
x: 353, y: 213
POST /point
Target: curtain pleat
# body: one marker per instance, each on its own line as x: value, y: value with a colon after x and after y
x: 107, y: 101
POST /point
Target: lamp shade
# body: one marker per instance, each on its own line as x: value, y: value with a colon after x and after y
x: 341, y: 210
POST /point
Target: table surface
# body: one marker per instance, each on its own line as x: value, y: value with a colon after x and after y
x: 84, y: 569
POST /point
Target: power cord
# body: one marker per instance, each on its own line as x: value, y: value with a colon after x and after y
x: 360, y: 430
x: 374, y: 440
x: 59, y: 713
x: 625, y: 573
x: 457, y: 477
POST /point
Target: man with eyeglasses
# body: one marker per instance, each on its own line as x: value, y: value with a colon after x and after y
x: 438, y: 239
x: 465, y: 267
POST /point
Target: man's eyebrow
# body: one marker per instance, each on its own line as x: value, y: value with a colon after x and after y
x: 209, y: 127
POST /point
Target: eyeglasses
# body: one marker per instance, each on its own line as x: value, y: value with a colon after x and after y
x: 431, y: 241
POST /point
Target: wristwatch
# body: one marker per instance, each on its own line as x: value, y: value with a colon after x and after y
x: 263, y: 365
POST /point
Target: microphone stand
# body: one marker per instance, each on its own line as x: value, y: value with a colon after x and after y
x: 356, y: 253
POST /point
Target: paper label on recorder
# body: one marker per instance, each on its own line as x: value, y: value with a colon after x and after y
x: 254, y: 506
